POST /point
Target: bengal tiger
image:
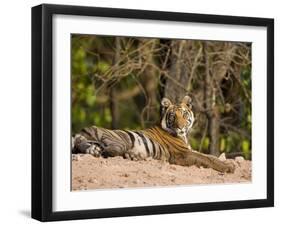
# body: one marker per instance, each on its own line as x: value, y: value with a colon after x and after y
x: 167, y: 141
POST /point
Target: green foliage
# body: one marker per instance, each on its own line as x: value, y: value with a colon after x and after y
x: 101, y: 67
x: 246, y: 148
x: 222, y: 144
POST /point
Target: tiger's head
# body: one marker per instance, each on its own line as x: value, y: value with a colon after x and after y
x: 177, y: 119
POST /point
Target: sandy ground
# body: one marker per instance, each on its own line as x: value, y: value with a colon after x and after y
x: 89, y: 172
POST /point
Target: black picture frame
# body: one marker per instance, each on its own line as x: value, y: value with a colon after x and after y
x: 42, y: 111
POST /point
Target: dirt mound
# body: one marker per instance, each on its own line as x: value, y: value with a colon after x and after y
x: 89, y: 172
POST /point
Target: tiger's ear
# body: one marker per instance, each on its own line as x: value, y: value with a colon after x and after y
x: 187, y: 101
x: 165, y: 102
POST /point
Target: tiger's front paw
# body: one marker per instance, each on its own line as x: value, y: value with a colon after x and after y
x: 229, y: 166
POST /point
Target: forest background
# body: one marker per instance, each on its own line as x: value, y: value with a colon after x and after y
x: 118, y: 82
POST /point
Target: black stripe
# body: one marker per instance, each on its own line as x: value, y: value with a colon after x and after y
x: 118, y: 132
x: 96, y: 132
x: 123, y: 136
x: 153, y: 148
x: 86, y: 132
x: 160, y: 152
x: 131, y: 137
x: 144, y: 141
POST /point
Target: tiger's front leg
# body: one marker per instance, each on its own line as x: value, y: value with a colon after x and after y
x: 191, y: 157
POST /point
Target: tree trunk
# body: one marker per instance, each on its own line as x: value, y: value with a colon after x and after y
x: 149, y: 82
x: 113, y: 108
x: 177, y: 79
x: 113, y: 104
x: 212, y: 111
